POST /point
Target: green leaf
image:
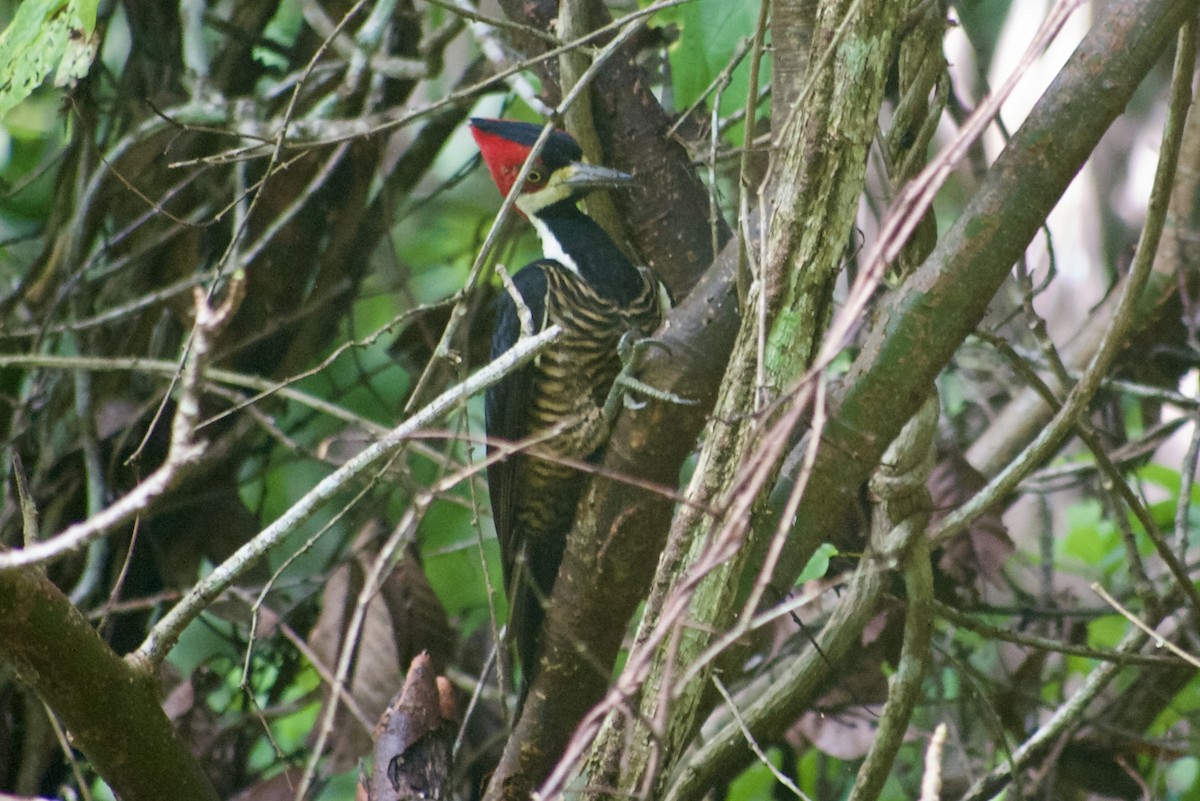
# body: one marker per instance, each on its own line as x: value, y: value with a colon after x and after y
x: 710, y: 32
x: 1183, y: 777
x: 46, y: 36
x: 818, y: 564
x: 983, y: 21
x: 757, y: 782
x: 1090, y: 537
x: 1166, y: 478
x: 1106, y: 632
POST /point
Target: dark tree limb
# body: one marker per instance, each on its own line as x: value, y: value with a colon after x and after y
x: 110, y: 706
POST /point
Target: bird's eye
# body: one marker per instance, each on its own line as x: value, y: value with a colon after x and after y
x: 534, y: 177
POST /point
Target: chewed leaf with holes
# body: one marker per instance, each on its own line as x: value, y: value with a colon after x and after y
x: 46, y: 36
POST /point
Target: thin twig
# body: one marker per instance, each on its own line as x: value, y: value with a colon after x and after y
x: 167, y: 368
x: 166, y: 632
x: 1114, y: 339
x: 1008, y: 634
x: 1065, y: 717
x: 1159, y: 641
x: 307, y: 133
x: 753, y: 743
x: 183, y: 452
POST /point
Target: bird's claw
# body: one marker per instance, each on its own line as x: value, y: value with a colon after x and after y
x: 642, y: 388
x: 632, y: 349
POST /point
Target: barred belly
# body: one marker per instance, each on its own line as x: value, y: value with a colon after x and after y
x: 571, y: 383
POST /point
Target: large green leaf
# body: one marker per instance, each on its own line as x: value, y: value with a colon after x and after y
x: 710, y: 32
x: 46, y: 36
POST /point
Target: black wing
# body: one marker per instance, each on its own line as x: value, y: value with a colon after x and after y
x: 507, y: 405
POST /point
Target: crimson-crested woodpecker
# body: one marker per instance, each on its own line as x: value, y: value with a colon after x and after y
x: 586, y: 285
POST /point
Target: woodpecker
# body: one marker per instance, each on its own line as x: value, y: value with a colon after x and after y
x: 585, y: 284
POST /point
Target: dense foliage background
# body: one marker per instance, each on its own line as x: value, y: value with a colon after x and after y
x: 241, y: 241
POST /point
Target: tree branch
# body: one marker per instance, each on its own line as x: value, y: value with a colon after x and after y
x: 166, y: 632
x: 110, y: 707
x: 930, y: 315
x: 185, y: 451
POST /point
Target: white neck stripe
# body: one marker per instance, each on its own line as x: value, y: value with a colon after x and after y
x: 551, y: 247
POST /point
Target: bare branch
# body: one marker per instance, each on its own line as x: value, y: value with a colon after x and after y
x: 184, y: 450
x: 167, y: 631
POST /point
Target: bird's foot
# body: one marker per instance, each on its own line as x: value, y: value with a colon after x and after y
x: 632, y: 350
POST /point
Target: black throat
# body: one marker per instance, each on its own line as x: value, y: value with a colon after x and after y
x: 599, y: 261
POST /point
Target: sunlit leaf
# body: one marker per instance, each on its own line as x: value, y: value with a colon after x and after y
x: 46, y: 36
